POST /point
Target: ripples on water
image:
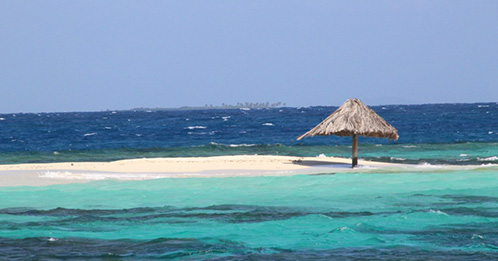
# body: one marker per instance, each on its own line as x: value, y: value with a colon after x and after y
x: 436, y: 134
x: 329, y: 216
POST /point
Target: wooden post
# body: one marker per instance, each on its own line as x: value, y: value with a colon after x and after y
x: 355, y: 151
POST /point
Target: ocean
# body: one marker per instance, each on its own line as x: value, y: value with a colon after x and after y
x: 445, y: 207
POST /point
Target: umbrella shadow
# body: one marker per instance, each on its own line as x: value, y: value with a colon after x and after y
x: 311, y: 163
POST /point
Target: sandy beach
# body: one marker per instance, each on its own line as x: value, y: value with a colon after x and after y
x: 43, y: 174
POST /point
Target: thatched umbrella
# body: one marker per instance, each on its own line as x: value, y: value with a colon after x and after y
x: 354, y: 118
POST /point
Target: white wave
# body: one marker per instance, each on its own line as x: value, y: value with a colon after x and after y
x: 477, y: 236
x: 339, y: 229
x: 395, y: 158
x: 493, y: 158
x: 482, y: 106
x: 225, y: 118
x: 409, y: 146
x: 268, y: 124
x: 490, y: 132
x: 99, y: 176
x: 245, y: 109
x: 488, y: 165
x: 195, y: 127
x: 463, y: 155
x: 428, y: 165
x: 439, y: 212
x: 89, y: 134
x: 2, y: 119
x: 241, y: 145
x: 108, y: 128
x: 344, y: 229
x: 233, y: 145
x: 443, y: 168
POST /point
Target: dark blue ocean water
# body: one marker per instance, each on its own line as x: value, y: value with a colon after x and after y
x: 440, y: 212
x: 111, y: 135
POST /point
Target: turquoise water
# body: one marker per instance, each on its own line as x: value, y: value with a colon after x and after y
x: 451, y: 214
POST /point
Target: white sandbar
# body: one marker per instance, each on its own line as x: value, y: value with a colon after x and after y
x: 43, y: 174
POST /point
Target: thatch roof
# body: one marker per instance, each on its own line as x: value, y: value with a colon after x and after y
x: 354, y: 117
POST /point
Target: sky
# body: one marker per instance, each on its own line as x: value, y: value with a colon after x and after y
x: 95, y: 55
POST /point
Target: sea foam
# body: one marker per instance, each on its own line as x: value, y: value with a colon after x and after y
x: 195, y: 127
x: 242, y: 145
x: 492, y: 158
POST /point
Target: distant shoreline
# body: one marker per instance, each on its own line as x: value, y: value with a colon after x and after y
x: 234, y: 107
x: 245, y: 105
x: 273, y: 106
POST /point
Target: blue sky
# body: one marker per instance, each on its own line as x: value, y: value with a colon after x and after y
x: 97, y: 55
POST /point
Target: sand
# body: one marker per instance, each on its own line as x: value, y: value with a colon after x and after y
x: 43, y: 174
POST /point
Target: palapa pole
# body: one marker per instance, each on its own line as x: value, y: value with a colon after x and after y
x: 355, y: 151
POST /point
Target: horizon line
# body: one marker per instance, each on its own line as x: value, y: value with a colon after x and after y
x: 186, y: 107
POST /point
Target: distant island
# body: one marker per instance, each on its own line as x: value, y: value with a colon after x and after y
x: 239, y: 105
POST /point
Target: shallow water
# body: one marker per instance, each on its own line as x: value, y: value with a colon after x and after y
x: 349, y: 215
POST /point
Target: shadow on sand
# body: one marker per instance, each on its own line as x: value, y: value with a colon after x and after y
x: 311, y: 163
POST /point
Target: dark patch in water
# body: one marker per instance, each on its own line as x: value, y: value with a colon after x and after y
x: 453, y: 205
x: 221, y: 213
x: 395, y: 253
x: 461, y: 235
x: 463, y: 211
x: 469, y: 199
x: 472, y: 235
x: 192, y: 249
x: 96, y: 249
x: 74, y: 212
x: 451, y: 235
